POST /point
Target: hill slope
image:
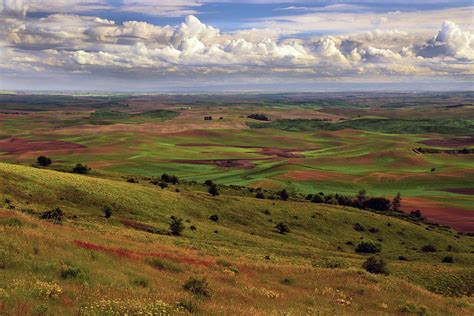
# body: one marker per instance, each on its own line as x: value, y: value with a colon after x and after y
x: 129, y: 262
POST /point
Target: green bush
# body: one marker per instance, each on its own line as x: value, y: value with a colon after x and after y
x: 282, y: 228
x: 197, y: 286
x: 368, y: 247
x: 188, y: 305
x: 55, y: 215
x: 375, y: 265
x: 428, y: 248
x: 44, y: 161
x: 162, y: 264
x: 69, y: 271
x: 448, y: 259
x: 414, y: 309
x: 214, y: 218
x: 176, y: 226
x: 5, y: 258
x: 141, y: 281
x: 81, y: 169
x: 12, y: 222
x: 107, y: 211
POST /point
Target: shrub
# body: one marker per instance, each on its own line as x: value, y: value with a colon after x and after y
x: 81, y: 169
x: 107, y: 211
x: 188, y: 305
x: 283, y: 195
x: 163, y: 185
x: 44, y: 161
x: 260, y: 195
x: 416, y: 215
x: 208, y: 183
x: 402, y: 258
x: 161, y: 264
x: 214, y: 218
x: 414, y: 309
x: 132, y: 180
x: 375, y: 265
x: 258, y: 117
x: 193, y: 228
x: 12, y: 222
x: 448, y: 259
x: 55, y: 215
x: 69, y: 272
x: 317, y: 198
x: 169, y: 178
x: 197, y: 286
x: 5, y: 258
x: 358, y: 227
x: 223, y: 263
x: 213, y: 190
x: 287, y: 281
x: 428, y: 248
x: 373, y: 230
x: 368, y: 247
x: 141, y: 281
x: 176, y: 226
x: 377, y: 203
x: 282, y: 228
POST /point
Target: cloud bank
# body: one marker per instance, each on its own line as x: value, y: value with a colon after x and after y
x: 68, y: 43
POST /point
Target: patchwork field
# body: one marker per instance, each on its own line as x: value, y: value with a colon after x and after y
x: 312, y: 143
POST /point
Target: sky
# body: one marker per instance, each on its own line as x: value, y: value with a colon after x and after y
x: 249, y: 45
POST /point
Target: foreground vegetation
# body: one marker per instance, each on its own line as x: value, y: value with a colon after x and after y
x: 85, y: 244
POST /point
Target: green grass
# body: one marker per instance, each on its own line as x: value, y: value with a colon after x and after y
x: 373, y: 124
x: 112, y: 262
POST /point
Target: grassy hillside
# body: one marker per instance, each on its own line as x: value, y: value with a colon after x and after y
x: 130, y: 263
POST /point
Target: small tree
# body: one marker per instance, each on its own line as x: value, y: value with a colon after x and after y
x: 107, y: 211
x: 375, y: 265
x: 362, y: 195
x: 163, y: 185
x: 81, y: 169
x: 214, y: 218
x: 44, y: 161
x: 396, y: 202
x: 282, y: 228
x: 213, y: 190
x: 260, y: 195
x: 283, y: 195
x: 317, y: 198
x: 176, y: 226
x: 367, y: 247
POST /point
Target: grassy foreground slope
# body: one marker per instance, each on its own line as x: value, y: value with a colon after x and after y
x: 129, y: 264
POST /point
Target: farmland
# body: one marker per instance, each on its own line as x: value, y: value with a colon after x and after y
x: 170, y: 213
x: 313, y: 143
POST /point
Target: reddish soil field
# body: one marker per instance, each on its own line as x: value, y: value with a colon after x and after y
x: 457, y: 218
x: 459, y: 142
x: 465, y: 191
x: 19, y: 145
